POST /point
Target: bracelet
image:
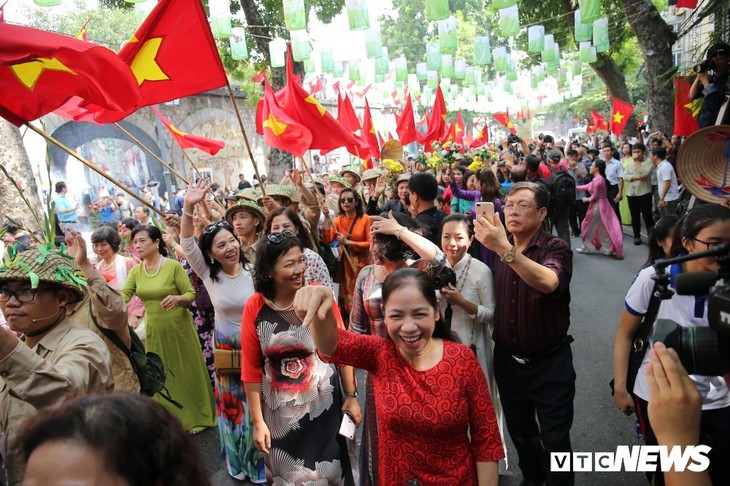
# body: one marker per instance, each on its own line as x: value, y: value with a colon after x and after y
x: 189, y: 215
x: 352, y: 395
x: 397, y: 235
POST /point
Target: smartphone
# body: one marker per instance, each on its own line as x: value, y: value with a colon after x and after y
x: 347, y: 427
x: 485, y: 209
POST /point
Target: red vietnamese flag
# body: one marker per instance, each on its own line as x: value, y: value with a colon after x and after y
x: 81, y: 34
x: 369, y: 133
x: 381, y: 140
x: 364, y: 91
x: 406, y: 125
x: 279, y: 129
x: 596, y: 119
x: 459, y: 128
x: 620, y: 115
x: 350, y: 85
x: 315, y: 86
x: 504, y: 120
x: 259, y: 77
x: 40, y: 71
x: 482, y: 139
x: 187, y: 140
x: 346, y: 115
x: 336, y: 87
x: 684, y: 123
x: 436, y: 123
x: 327, y: 133
x: 686, y: 3
x: 449, y: 135
x: 2, y: 12
x: 172, y: 55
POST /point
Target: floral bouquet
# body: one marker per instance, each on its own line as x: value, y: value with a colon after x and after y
x: 451, y: 152
x: 391, y: 170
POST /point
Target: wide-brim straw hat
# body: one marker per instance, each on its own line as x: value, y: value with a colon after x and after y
x: 371, y: 174
x: 352, y: 170
x: 703, y: 164
x: 248, y: 206
x: 340, y: 180
x: 402, y: 178
x: 277, y: 190
x: 249, y: 194
x: 41, y: 265
x: 294, y: 193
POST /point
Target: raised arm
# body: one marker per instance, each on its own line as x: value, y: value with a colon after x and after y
x: 390, y: 226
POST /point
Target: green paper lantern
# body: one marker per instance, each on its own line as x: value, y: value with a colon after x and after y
x: 511, y: 76
x: 379, y: 78
x: 593, y: 55
x: 577, y: 67
x: 548, y: 56
x: 509, y: 21
x: 533, y: 81
x: 310, y: 66
x: 500, y: 59
x: 339, y: 69
x: 590, y: 10
x: 300, y: 45
x: 53, y: 3
x: 432, y: 80
x: 470, y: 77
x: 454, y: 90
x: 353, y: 71
x: 583, y: 32
x: 357, y: 14
x: 508, y: 88
x: 373, y: 46
x: 600, y: 34
x: 502, y: 4
x: 437, y: 9
x: 433, y: 57
x: 422, y: 71
x: 295, y: 17
x: 552, y: 69
x: 277, y: 52
x: 220, y: 19
x: 540, y: 75
x: 562, y: 76
x: 447, y: 66
x: 585, y: 51
x: 239, y: 49
x: 327, y: 59
x: 382, y: 63
x: 447, y: 35
x: 479, y: 90
x: 536, y: 38
x: 401, y: 69
x: 460, y: 69
x: 482, y: 51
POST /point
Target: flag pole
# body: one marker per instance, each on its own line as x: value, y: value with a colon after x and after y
x: 93, y: 167
x: 195, y: 168
x: 154, y: 155
x: 245, y: 137
x: 324, y: 210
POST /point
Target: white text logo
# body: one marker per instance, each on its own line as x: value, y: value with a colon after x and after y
x: 634, y: 459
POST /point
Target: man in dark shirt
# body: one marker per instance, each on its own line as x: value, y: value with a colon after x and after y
x: 242, y: 182
x: 533, y: 361
x: 713, y: 87
x: 424, y: 189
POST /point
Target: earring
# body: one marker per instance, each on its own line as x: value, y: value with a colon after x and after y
x: 212, y: 261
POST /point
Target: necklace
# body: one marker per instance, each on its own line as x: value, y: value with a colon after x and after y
x: 159, y: 265
x: 104, y: 267
x: 281, y: 309
x: 463, y: 274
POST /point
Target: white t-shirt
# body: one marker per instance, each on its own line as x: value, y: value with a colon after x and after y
x: 665, y: 172
x: 681, y: 309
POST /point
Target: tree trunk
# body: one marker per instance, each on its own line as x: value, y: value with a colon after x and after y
x: 615, y: 82
x: 655, y: 39
x: 15, y: 160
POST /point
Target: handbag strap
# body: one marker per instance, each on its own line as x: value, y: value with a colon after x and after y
x: 110, y: 334
x: 640, y: 337
x: 349, y: 232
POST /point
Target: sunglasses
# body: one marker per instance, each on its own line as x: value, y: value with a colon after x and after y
x: 347, y: 200
x: 277, y: 238
x: 220, y: 224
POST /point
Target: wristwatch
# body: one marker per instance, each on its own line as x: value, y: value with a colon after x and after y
x: 509, y: 257
x: 351, y: 395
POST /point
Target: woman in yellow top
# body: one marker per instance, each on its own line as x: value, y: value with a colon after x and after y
x: 351, y: 229
x: 637, y: 184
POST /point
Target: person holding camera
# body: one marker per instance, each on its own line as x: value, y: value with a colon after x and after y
x: 702, y: 227
x: 533, y: 361
x: 713, y: 87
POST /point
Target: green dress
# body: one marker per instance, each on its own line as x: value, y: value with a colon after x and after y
x: 171, y: 334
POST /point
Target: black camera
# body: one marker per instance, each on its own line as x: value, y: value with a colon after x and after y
x: 703, y: 66
x: 445, y: 277
x: 702, y: 350
x: 512, y: 138
x: 548, y: 139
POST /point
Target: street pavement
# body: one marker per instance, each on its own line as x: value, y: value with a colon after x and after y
x: 598, y: 288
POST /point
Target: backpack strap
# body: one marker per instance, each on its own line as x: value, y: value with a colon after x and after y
x: 111, y: 335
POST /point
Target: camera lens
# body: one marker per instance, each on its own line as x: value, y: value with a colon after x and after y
x: 700, y: 349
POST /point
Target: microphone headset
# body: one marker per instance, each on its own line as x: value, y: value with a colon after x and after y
x: 56, y: 314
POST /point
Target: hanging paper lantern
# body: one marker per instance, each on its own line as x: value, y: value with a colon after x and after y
x: 548, y: 55
x: 511, y: 76
x: 500, y: 59
x: 327, y: 59
x: 600, y: 34
x: 509, y: 21
x: 220, y: 18
x: 533, y: 81
x: 422, y: 71
x: 447, y: 66
x: 373, y: 46
x: 460, y: 69
x: 445, y: 84
x: 447, y: 35
x: 536, y: 38
x: 382, y: 63
x: 437, y: 9
x: 357, y: 14
x: 502, y: 4
x: 310, y: 66
x: 379, y: 78
x: 53, y: 3
x: 432, y: 80
x: 551, y: 70
x: 401, y: 69
x: 469, y: 77
x: 413, y: 82
x: 480, y: 89
x: 590, y: 10
x: 300, y: 45
x: 583, y: 32
x: 353, y: 70
x: 454, y: 90
x: 239, y: 50
x: 339, y: 69
x: 593, y: 55
x: 577, y: 66
x: 295, y: 17
x: 508, y: 88
x: 549, y: 42
x: 277, y: 52
x: 540, y: 74
x: 585, y: 51
x: 482, y: 51
x: 433, y: 57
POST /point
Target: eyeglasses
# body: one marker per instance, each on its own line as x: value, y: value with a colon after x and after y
x: 23, y: 295
x: 711, y: 245
x: 220, y: 224
x: 277, y: 238
x: 517, y: 208
x: 347, y: 200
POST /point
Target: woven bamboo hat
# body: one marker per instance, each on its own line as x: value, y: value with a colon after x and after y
x: 248, y: 206
x: 41, y: 265
x: 703, y: 164
x: 352, y: 170
x: 249, y: 194
x: 371, y: 174
x: 340, y: 180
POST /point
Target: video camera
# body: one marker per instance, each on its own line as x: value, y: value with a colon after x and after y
x: 512, y: 138
x: 702, y: 350
x: 704, y: 66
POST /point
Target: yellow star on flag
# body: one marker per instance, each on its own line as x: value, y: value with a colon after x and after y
x: 275, y: 125
x: 372, y: 129
x: 618, y: 117
x: 320, y: 108
x: 458, y: 129
x: 694, y: 107
x: 144, y: 66
x: 510, y: 124
x: 29, y: 72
